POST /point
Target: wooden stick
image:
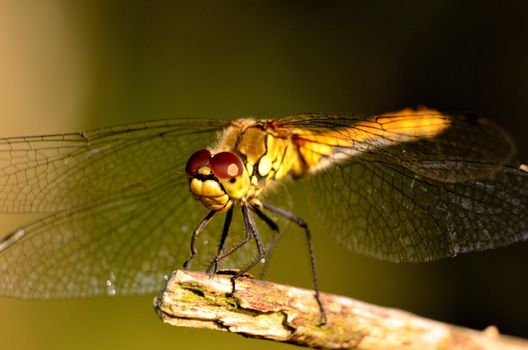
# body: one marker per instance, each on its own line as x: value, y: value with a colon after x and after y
x: 262, y: 309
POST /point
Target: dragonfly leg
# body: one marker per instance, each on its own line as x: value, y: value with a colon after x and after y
x: 275, y: 228
x: 211, y: 270
x: 302, y: 224
x: 249, y: 235
x: 252, y: 228
x: 195, y: 234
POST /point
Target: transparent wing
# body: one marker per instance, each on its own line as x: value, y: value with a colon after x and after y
x: 56, y: 172
x: 389, y: 212
x: 119, y: 210
x: 119, y: 245
x: 468, y: 148
x: 423, y: 199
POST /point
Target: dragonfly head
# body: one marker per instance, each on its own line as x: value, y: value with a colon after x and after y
x: 217, y: 180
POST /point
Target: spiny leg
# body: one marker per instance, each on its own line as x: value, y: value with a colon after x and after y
x: 211, y: 270
x: 275, y: 228
x: 302, y: 224
x: 251, y: 227
x: 272, y: 224
x: 203, y: 224
x: 249, y: 235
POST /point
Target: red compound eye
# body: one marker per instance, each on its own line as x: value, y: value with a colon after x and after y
x: 197, y: 160
x: 226, y: 165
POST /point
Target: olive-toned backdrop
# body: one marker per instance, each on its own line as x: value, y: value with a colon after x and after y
x: 68, y: 66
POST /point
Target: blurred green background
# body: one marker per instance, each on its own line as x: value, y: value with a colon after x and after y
x: 68, y: 66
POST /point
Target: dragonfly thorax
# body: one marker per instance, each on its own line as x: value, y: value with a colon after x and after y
x: 217, y: 180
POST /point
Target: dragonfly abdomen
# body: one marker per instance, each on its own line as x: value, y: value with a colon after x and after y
x: 320, y: 148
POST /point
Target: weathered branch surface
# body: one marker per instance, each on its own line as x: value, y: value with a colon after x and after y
x: 262, y: 309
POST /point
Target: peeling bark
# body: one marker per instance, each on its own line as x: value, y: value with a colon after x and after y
x: 266, y: 310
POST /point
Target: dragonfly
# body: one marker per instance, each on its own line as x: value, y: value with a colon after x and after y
x: 119, y: 208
